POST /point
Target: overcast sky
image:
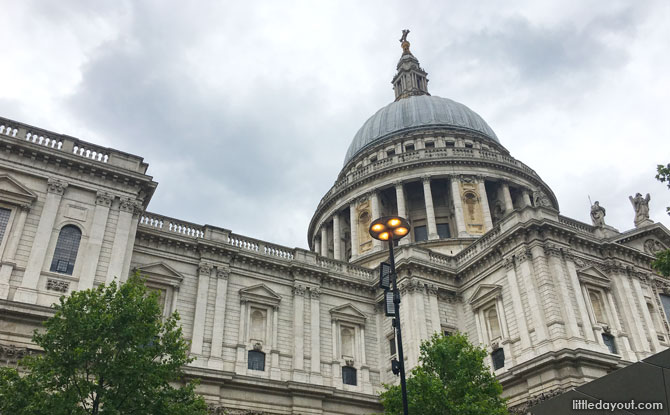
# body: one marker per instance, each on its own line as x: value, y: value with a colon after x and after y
x: 244, y: 110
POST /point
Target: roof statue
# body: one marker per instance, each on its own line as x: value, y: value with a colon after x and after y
x: 598, y: 214
x: 404, y: 43
x: 641, y: 206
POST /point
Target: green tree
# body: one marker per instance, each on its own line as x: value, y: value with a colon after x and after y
x: 451, y: 379
x: 662, y: 262
x: 106, y: 351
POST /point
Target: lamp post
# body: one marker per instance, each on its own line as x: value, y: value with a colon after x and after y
x: 393, y: 228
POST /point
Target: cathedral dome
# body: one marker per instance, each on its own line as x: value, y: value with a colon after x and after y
x: 417, y: 112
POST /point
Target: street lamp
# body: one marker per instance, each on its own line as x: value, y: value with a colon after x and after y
x: 392, y: 228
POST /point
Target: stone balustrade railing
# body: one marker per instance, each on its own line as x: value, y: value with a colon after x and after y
x: 575, y: 224
x: 345, y: 267
x: 171, y: 225
x: 354, y: 174
x: 71, y: 145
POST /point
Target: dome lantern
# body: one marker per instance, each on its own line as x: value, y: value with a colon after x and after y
x: 411, y: 79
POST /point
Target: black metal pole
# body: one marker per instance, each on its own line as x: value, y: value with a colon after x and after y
x: 401, y: 357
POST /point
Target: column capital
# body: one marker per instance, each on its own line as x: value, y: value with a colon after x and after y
x: 204, y: 268
x: 425, y: 178
x: 56, y: 186
x: 222, y: 273
x: 523, y: 254
x: 299, y: 290
x: 131, y: 206
x: 103, y: 199
x: 314, y: 293
x: 508, y: 262
x: 26, y: 207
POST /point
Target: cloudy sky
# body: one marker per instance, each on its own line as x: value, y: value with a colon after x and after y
x: 244, y: 110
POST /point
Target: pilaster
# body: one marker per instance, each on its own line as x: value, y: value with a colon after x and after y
x: 581, y: 303
x: 8, y: 262
x: 299, y: 333
x: 315, y: 323
x: 517, y: 305
x: 27, y: 292
x: 121, y: 236
x: 656, y: 346
x: 204, y: 272
x: 537, y: 314
x: 430, y: 209
x: 216, y: 353
x: 554, y: 261
x: 103, y: 202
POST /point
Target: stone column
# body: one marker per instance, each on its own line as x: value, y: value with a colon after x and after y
x: 434, y: 311
x: 554, y: 262
x: 298, y: 333
x: 337, y: 241
x: 507, y: 197
x: 275, y: 370
x: 216, y: 353
x: 646, y: 316
x: 315, y: 322
x: 376, y: 214
x: 204, y: 271
x: 324, y: 240
x: 581, y: 303
x: 538, y: 317
x: 430, y: 210
x: 27, y: 292
x: 103, y: 201
x: 519, y: 314
x: 526, y: 198
x: 138, y: 208
x: 336, y: 369
x: 117, y: 260
x: 240, y: 363
x: 400, y: 199
x: 317, y: 245
x: 353, y: 220
x: 8, y: 263
x: 458, y: 207
x: 486, y: 211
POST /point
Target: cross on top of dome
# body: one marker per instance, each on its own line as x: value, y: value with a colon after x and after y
x: 411, y: 79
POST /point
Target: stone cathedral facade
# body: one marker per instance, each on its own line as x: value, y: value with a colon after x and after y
x: 279, y: 330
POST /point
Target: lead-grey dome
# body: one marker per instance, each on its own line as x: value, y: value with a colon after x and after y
x: 417, y: 112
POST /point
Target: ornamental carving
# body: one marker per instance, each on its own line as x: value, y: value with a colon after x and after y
x: 652, y: 246
x: 540, y: 199
x: 508, y: 263
x: 56, y: 186
x: 314, y: 293
x: 299, y: 290
x: 205, y: 268
x: 552, y: 250
x: 103, y: 199
x: 12, y: 354
x: 523, y: 254
x: 222, y: 273
x: 131, y: 206
x: 432, y: 289
x: 57, y: 285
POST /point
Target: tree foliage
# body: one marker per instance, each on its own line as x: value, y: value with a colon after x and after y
x: 106, y: 351
x: 662, y: 262
x: 450, y: 379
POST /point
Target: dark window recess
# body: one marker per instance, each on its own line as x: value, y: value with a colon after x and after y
x: 443, y: 230
x: 447, y: 333
x: 256, y: 360
x: 498, y: 358
x: 608, y: 339
x: 373, y: 159
x: 430, y: 144
x: 66, y: 250
x: 468, y: 145
x: 349, y: 375
x: 420, y: 233
x: 449, y: 144
x: 4, y: 220
x: 392, y: 346
x: 390, y: 153
x: 665, y: 300
x: 409, y: 147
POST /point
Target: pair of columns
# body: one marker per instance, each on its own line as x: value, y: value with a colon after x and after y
x: 90, y: 254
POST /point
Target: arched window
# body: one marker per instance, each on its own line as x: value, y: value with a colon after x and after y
x: 66, y: 250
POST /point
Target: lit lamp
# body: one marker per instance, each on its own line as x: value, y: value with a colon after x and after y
x: 392, y: 228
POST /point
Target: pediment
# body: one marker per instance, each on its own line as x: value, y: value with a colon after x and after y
x: 261, y: 294
x: 484, y: 294
x: 593, y: 276
x: 650, y: 239
x: 160, y: 272
x: 12, y: 191
x: 349, y: 313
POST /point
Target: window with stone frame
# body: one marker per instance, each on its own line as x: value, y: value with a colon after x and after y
x: 349, y: 339
x: 165, y: 281
x: 392, y: 345
x: 498, y: 358
x: 256, y: 360
x: 66, y: 250
x: 608, y: 339
x: 420, y: 233
x: 492, y: 323
x: 656, y: 319
x: 4, y: 221
x: 349, y: 375
x: 598, y: 306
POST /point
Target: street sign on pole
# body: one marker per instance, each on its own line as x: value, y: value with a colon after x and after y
x: 389, y: 307
x: 385, y: 275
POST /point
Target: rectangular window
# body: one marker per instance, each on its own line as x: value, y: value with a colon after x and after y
x: 665, y: 301
x: 256, y: 360
x: 447, y: 333
x: 390, y: 153
x: 420, y: 233
x: 443, y: 230
x: 608, y: 339
x: 498, y: 358
x: 430, y: 144
x: 468, y: 145
x: 450, y: 144
x: 4, y: 220
x: 392, y: 348
x: 409, y: 147
x: 373, y: 159
x: 349, y: 375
